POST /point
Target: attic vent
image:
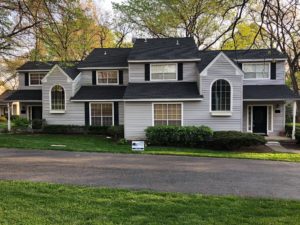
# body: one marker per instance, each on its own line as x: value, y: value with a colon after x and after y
x: 177, y: 42
x: 145, y: 40
x: 105, y: 53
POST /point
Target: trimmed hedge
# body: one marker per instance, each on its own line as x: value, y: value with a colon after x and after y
x: 113, y: 131
x: 178, y: 136
x: 233, y: 140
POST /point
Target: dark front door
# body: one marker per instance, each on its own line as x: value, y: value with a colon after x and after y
x: 37, y: 112
x: 260, y: 119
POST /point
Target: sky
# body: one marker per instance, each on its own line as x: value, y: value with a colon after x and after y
x: 106, y: 4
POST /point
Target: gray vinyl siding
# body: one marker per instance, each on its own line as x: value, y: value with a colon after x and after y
x: 280, y: 77
x: 278, y: 118
x: 74, y: 113
x: 121, y: 113
x: 24, y: 105
x: 137, y: 72
x: 21, y: 79
x: 138, y: 115
x: 76, y: 85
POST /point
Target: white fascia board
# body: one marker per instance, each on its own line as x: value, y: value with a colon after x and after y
x: 101, y: 68
x: 164, y: 60
x: 259, y: 60
x: 163, y: 99
x: 269, y: 100
x: 98, y: 100
x: 36, y: 70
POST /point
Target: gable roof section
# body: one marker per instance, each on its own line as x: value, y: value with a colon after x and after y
x: 162, y: 90
x: 164, y: 49
x: 268, y: 92
x: 25, y: 95
x: 99, y: 93
x: 5, y: 95
x: 106, y: 57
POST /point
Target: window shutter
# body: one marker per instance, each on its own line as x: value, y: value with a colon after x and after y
x: 116, y: 113
x: 180, y: 71
x: 26, y: 79
x: 94, y: 77
x: 87, y: 113
x: 120, y: 76
x: 240, y: 65
x: 273, y: 71
x: 147, y: 72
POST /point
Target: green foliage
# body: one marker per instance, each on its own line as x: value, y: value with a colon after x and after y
x: 21, y: 123
x: 178, y: 136
x: 3, y: 119
x: 289, y: 129
x: 233, y: 140
x: 244, y: 38
x: 113, y: 131
x: 37, y: 124
x: 14, y: 117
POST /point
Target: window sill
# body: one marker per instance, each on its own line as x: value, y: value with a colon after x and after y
x: 221, y: 113
x: 57, y: 111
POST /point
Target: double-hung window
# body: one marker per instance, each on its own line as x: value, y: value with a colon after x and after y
x: 101, y: 114
x: 256, y: 70
x: 57, y: 99
x: 35, y: 79
x: 108, y: 77
x: 163, y: 71
x: 168, y: 114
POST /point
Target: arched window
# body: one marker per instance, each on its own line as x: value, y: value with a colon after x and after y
x: 221, y: 96
x: 57, y: 98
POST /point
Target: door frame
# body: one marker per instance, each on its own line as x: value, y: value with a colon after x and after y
x: 269, y: 107
x: 29, y: 107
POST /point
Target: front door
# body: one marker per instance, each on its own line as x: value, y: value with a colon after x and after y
x: 35, y: 112
x: 260, y: 119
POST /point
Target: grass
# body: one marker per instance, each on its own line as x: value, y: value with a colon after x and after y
x: 40, y: 203
x: 90, y: 143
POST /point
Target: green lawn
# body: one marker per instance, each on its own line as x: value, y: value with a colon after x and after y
x: 89, y: 143
x: 40, y: 203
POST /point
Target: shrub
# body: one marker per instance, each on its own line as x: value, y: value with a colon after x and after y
x: 63, y: 129
x: 37, y: 124
x: 14, y: 117
x: 289, y: 129
x: 113, y: 131
x: 3, y: 119
x: 21, y: 123
x: 233, y: 140
x: 178, y: 136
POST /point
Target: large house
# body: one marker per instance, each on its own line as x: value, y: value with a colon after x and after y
x: 165, y: 81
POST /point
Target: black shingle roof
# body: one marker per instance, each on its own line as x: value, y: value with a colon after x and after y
x: 106, y: 57
x: 172, y: 90
x: 25, y: 95
x: 268, y: 92
x: 100, y: 92
x: 5, y: 95
x: 164, y: 48
x: 69, y: 67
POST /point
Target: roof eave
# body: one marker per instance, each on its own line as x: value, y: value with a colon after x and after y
x: 164, y: 60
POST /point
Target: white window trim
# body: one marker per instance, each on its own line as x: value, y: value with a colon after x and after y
x: 112, y: 111
x: 159, y: 64
x: 55, y: 111
x: 97, y: 76
x: 258, y: 63
x: 36, y: 85
x: 250, y: 107
x: 168, y: 103
x: 221, y: 112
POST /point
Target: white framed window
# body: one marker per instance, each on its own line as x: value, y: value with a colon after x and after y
x: 35, y: 79
x: 108, y: 77
x: 101, y: 114
x: 58, y: 99
x: 256, y: 71
x: 163, y: 71
x: 220, y: 96
x: 167, y: 114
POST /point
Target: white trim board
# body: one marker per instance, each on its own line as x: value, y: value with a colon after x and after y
x: 164, y: 60
x: 139, y: 100
x: 101, y: 68
x: 113, y: 111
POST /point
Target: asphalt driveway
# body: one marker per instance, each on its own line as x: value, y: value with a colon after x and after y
x: 160, y: 173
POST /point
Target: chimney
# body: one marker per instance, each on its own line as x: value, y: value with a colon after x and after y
x: 177, y: 42
x: 145, y: 40
x: 105, y: 53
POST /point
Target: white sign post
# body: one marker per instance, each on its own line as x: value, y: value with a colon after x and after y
x: 138, y: 145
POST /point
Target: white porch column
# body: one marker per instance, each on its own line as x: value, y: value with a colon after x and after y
x: 294, y: 120
x: 8, y: 118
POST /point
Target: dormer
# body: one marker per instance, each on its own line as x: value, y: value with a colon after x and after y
x: 163, y: 60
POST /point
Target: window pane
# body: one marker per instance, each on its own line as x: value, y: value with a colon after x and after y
x: 36, y: 78
x: 221, y: 96
x: 57, y: 98
x: 163, y: 71
x: 167, y: 114
x: 101, y: 114
x: 256, y: 71
x: 108, y: 77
